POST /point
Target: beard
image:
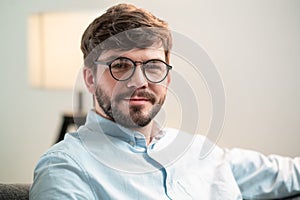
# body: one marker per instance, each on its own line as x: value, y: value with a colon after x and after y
x: 130, y: 116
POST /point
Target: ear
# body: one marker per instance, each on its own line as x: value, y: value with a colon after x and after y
x: 89, y: 79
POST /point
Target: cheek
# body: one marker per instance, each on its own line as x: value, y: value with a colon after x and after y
x: 160, y: 90
x: 103, y: 76
x: 109, y: 85
x: 104, y: 82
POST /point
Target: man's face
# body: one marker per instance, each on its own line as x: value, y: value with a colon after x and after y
x: 135, y: 102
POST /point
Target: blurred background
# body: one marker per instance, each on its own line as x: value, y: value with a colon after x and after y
x: 254, y: 44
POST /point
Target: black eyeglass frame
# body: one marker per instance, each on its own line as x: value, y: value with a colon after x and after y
x: 169, y: 67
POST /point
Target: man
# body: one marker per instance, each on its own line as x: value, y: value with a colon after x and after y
x: 122, y: 153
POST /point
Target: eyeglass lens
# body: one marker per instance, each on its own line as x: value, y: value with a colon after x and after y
x: 123, y: 69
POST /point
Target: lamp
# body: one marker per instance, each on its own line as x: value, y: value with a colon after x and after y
x: 55, y: 57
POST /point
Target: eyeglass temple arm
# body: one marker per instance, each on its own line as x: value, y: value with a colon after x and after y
x: 100, y: 62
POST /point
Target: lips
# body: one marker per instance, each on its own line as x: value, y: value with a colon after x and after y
x: 137, y: 100
x: 139, y: 97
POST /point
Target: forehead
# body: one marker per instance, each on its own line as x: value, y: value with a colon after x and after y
x: 140, y: 54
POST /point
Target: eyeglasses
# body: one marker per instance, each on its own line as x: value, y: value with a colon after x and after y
x: 123, y: 68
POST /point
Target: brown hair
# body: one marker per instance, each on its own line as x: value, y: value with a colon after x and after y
x: 130, y: 26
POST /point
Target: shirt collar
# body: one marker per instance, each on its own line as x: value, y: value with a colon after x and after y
x: 100, y: 124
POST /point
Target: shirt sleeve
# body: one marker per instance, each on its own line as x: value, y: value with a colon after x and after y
x: 58, y: 176
x: 264, y: 177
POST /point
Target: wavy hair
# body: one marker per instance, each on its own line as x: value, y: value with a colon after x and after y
x: 124, y: 27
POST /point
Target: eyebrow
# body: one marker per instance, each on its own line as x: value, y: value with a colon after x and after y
x: 113, y: 57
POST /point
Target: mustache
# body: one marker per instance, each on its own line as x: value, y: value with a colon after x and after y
x: 139, y: 93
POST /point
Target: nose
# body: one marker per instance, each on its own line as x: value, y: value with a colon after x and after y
x: 138, y: 80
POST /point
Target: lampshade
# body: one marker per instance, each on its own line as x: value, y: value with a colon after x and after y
x: 54, y: 48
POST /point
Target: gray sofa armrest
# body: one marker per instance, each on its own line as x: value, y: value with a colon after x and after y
x: 14, y: 191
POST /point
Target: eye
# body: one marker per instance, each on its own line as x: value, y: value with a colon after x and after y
x: 155, y: 66
x: 121, y: 65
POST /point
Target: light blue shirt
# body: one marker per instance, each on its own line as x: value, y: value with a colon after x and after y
x: 103, y: 160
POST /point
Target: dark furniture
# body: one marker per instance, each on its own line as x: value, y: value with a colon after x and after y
x: 14, y: 191
x: 68, y: 120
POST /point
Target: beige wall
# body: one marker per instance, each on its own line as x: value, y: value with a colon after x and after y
x: 255, y: 45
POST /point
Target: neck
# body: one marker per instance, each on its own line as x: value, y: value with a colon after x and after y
x: 147, y: 131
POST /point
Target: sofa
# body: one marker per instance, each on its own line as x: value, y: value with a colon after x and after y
x: 14, y: 191
x: 21, y: 192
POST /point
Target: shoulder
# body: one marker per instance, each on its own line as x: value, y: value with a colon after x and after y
x: 70, y: 144
x: 68, y: 152
x: 59, y: 171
